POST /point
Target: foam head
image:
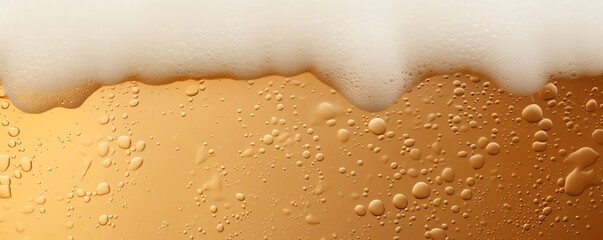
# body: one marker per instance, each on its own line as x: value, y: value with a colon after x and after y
x: 56, y: 53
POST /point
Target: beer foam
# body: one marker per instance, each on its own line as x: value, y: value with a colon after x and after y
x: 56, y: 53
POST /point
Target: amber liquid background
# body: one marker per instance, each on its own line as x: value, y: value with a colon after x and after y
x: 289, y: 158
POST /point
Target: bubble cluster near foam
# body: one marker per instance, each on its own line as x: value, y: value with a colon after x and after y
x: 56, y: 53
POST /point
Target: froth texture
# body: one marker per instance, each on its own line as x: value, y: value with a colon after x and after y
x: 56, y: 53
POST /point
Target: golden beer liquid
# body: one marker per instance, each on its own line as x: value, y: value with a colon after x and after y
x: 290, y: 158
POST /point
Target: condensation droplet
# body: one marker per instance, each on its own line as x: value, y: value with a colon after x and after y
x: 312, y: 219
x: 220, y: 227
x: 13, y: 131
x: 124, y: 142
x: 5, y: 191
x: 103, y: 119
x: 580, y: 179
x: 102, y: 188
x: 591, y: 105
x: 548, y: 92
x: 466, y: 194
x: 400, y: 201
x: 597, y: 136
x: 103, y: 219
x: 4, y: 162
x: 268, y: 139
x: 532, y: 113
x: 26, y: 164
x: 376, y: 207
x: 360, y: 210
x: 493, y: 148
x: 539, y: 146
x: 448, y: 174
x: 343, y: 135
x: 191, y: 90
x: 103, y: 149
x: 477, y: 161
x: 240, y: 196
x: 437, y: 234
x: 377, y: 126
x: 545, y: 124
x: 136, y: 163
x: 421, y: 190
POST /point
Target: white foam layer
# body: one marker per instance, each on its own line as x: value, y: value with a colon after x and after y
x: 55, y: 53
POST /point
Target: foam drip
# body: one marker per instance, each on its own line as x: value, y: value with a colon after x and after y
x: 56, y: 53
